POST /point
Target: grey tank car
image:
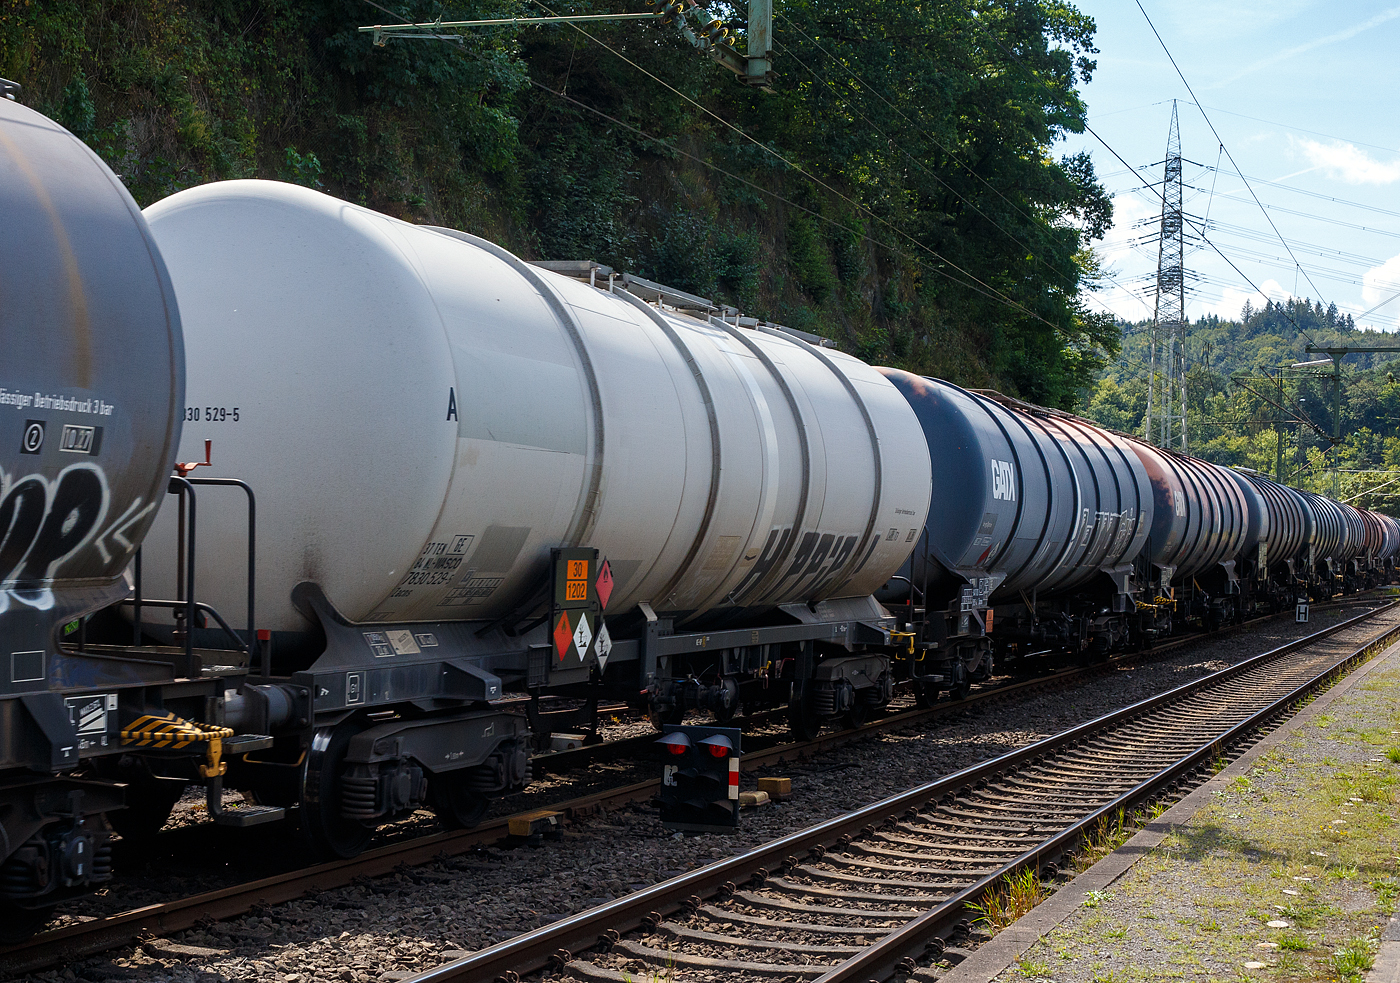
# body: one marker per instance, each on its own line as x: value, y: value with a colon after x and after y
x: 91, y: 386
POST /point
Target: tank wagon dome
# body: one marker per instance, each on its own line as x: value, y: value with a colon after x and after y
x: 424, y: 415
x: 91, y: 379
x: 1031, y: 499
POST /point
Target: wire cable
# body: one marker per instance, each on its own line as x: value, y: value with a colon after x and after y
x: 1213, y: 130
x: 987, y: 289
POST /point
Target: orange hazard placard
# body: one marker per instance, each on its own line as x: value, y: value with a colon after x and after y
x: 576, y: 581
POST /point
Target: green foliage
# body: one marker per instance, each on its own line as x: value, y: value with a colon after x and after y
x: 304, y: 169
x: 1248, y: 407
x: 940, y: 233
x: 77, y: 111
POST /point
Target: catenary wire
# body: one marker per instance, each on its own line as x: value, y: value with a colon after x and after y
x: 1221, y: 140
x: 986, y: 290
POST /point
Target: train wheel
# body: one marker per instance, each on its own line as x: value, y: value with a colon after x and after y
x: 663, y: 717
x: 925, y: 695
x: 960, y: 690
x: 18, y: 924
x: 328, y: 832
x: 803, y: 720
x: 728, y: 705
x: 857, y: 716
x: 455, y: 803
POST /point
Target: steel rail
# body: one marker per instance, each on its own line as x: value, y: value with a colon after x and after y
x: 556, y: 761
x: 87, y: 938
x: 534, y: 950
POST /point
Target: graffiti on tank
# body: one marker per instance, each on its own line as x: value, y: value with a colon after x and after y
x: 818, y: 559
x: 45, y: 522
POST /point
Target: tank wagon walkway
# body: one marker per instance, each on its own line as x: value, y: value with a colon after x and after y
x: 1284, y: 865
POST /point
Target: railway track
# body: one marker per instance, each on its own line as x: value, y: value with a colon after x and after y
x: 632, y: 747
x: 88, y: 938
x: 876, y: 892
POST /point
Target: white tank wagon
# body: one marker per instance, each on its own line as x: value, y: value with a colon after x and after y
x: 424, y: 417
x: 435, y: 429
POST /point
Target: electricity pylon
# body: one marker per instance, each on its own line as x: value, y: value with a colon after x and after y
x: 1167, y: 415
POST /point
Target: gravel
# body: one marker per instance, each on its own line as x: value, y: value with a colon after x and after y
x: 421, y: 917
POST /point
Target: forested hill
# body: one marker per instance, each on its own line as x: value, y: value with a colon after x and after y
x: 898, y: 191
x: 1247, y: 405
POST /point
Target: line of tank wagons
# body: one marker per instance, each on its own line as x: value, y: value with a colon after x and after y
x: 432, y: 483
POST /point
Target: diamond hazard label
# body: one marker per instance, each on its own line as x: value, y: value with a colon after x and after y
x: 604, y: 644
x: 563, y: 636
x: 604, y: 585
x: 582, y: 635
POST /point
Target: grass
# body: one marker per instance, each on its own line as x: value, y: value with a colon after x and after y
x: 1311, y: 807
x: 1106, y: 835
x: 1092, y: 899
x: 1033, y: 968
x: 1009, y: 899
x: 1353, y: 958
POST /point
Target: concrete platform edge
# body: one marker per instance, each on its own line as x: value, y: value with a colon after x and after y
x: 994, y: 957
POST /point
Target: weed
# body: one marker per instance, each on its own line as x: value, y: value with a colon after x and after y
x: 1393, y: 754
x: 1011, y: 898
x: 1033, y: 968
x: 1107, y: 835
x: 1387, y: 891
x: 1354, y: 958
x: 1294, y: 942
x: 1209, y: 925
x: 1092, y: 899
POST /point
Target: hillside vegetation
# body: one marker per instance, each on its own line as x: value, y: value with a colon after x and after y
x: 898, y: 191
x: 1247, y: 406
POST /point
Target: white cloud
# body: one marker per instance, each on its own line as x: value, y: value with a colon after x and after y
x: 1382, y: 283
x: 1347, y: 162
x: 1232, y: 300
x: 1342, y: 35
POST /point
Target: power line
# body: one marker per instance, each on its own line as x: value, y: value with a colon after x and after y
x: 1132, y: 170
x: 1290, y: 126
x: 1034, y: 252
x: 987, y: 289
x: 1213, y: 130
x: 715, y: 167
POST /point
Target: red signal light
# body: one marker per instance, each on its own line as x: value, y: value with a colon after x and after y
x: 719, y: 751
x: 678, y: 748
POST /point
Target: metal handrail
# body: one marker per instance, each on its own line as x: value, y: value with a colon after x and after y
x: 252, y: 543
x: 206, y: 609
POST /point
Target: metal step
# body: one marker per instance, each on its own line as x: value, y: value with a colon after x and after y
x: 243, y: 743
x: 250, y: 815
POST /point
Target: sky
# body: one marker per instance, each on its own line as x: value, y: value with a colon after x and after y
x: 1305, y: 97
